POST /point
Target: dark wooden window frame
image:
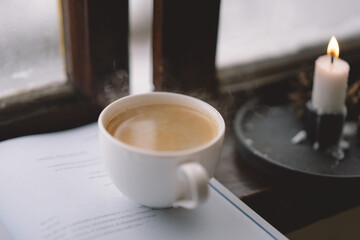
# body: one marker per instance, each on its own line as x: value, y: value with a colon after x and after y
x: 96, y: 46
x: 184, y: 45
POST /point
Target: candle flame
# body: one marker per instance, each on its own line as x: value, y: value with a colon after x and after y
x: 333, y: 47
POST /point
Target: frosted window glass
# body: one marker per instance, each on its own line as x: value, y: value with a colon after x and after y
x: 30, y: 53
x: 250, y: 30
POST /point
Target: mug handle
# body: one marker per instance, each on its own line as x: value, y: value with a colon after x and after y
x: 197, y: 179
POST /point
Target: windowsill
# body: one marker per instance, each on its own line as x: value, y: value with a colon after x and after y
x: 51, y: 108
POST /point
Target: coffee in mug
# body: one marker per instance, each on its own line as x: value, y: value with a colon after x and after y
x: 163, y: 127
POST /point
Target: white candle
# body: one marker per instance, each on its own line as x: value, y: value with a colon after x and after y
x: 330, y: 84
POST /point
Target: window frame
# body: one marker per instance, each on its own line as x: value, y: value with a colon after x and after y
x: 96, y: 53
x: 184, y: 45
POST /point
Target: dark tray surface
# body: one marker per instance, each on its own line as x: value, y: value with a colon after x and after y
x: 264, y: 135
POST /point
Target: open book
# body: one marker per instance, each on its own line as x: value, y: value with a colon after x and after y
x: 54, y: 186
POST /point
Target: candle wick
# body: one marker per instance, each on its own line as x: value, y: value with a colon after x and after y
x: 332, y: 58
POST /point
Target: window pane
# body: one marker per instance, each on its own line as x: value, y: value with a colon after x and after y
x: 30, y: 53
x: 140, y: 46
x: 252, y: 30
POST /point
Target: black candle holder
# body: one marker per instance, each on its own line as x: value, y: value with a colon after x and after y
x: 324, y: 130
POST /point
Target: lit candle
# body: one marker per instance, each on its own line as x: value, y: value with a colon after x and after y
x: 330, y: 81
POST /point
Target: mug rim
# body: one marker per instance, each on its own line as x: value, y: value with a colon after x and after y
x: 219, y: 120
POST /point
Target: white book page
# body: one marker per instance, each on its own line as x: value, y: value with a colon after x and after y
x: 54, y: 186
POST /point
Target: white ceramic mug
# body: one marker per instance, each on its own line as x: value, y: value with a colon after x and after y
x: 161, y: 179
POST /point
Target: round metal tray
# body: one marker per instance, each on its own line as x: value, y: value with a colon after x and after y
x: 263, y: 135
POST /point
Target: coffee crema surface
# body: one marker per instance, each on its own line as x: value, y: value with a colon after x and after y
x: 163, y: 127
